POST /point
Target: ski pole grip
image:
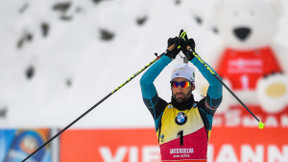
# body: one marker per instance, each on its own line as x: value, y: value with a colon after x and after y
x: 189, y: 48
x: 170, y: 48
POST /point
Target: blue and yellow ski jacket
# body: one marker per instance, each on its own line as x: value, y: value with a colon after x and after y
x: 183, y: 130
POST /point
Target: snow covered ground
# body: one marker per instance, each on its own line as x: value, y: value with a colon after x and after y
x: 49, y: 79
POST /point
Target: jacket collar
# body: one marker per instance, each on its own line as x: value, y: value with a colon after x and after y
x: 184, y: 105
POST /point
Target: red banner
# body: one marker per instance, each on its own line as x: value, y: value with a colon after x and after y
x: 131, y: 145
x: 248, y: 145
x: 140, y: 145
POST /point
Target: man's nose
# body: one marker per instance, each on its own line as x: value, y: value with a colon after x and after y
x: 179, y: 89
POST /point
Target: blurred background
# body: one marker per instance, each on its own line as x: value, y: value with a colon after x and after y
x: 60, y: 57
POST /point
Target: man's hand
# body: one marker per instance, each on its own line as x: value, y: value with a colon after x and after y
x: 188, y: 42
x: 173, y: 53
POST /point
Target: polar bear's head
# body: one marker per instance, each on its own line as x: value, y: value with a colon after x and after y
x: 246, y: 24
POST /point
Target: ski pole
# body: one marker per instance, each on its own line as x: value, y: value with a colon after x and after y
x: 260, y: 125
x: 170, y: 48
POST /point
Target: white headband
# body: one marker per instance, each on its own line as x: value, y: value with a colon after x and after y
x: 184, y: 71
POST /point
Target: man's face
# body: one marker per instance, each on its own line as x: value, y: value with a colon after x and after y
x: 181, y: 94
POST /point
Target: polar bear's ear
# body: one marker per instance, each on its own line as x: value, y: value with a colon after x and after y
x: 277, y: 6
x: 215, y: 13
x: 216, y: 8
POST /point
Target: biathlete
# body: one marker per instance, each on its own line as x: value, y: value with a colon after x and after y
x: 183, y: 125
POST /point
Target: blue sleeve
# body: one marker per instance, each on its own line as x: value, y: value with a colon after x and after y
x: 214, y: 92
x: 149, y: 92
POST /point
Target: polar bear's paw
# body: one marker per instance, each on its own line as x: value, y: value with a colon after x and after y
x: 272, y: 92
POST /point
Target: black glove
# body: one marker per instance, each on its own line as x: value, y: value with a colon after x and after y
x: 188, y: 42
x: 173, y: 53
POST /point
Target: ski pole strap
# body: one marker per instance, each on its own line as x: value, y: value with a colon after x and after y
x: 182, y: 35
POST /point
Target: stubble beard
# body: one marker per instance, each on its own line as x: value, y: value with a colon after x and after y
x: 181, y: 99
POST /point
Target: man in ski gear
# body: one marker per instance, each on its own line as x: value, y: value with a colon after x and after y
x: 183, y: 125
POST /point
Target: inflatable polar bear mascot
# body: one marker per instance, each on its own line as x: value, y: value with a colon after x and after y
x: 249, y: 60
